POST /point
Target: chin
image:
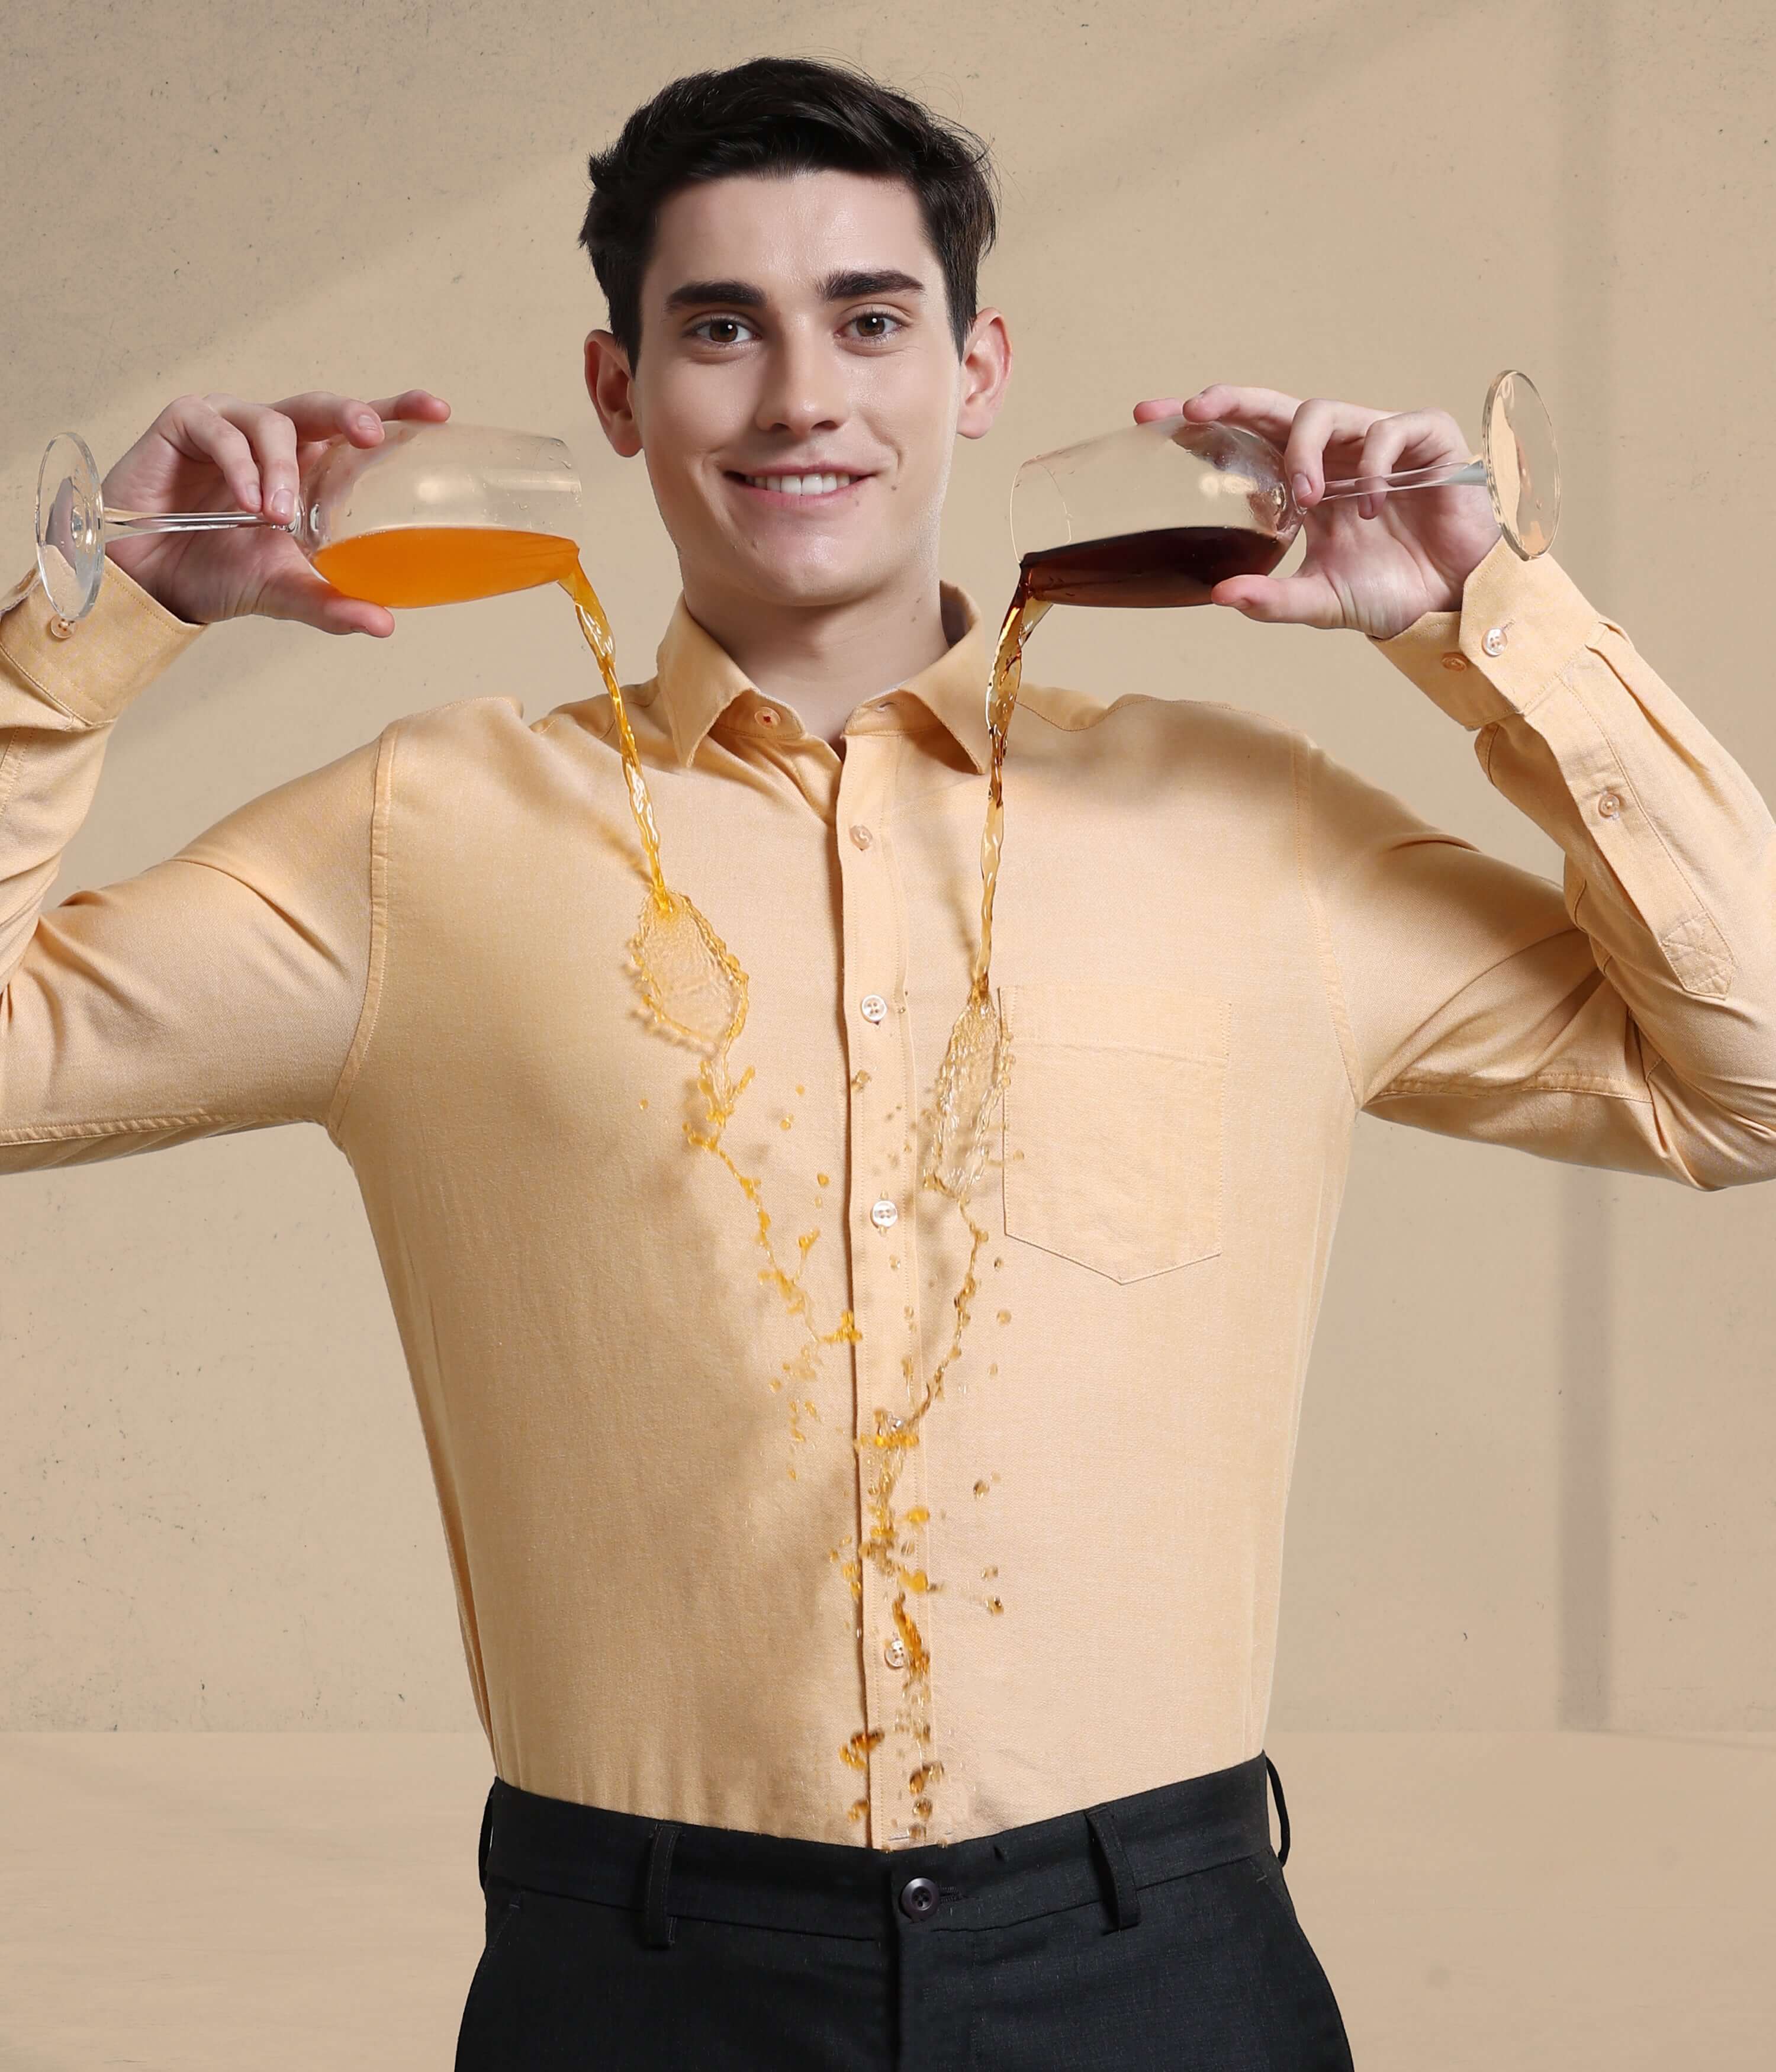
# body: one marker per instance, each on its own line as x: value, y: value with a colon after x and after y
x: 807, y: 583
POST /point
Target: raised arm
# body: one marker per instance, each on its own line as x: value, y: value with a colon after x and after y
x: 224, y: 988
x: 218, y: 990
x: 1625, y: 1018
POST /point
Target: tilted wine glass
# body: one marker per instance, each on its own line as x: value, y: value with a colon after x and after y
x: 1158, y: 513
x: 432, y: 514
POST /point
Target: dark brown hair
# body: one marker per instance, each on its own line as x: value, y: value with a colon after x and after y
x: 784, y: 115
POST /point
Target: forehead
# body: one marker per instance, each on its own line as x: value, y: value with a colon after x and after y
x: 787, y: 231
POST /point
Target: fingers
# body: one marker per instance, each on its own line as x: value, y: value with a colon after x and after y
x: 1268, y: 411
x: 1304, y: 430
x: 419, y: 403
x: 1426, y: 436
x: 1307, y: 431
x: 1320, y: 423
x: 271, y: 441
x: 322, y: 413
x: 195, y: 427
x: 254, y: 445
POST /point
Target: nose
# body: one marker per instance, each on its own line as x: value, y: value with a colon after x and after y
x: 804, y: 388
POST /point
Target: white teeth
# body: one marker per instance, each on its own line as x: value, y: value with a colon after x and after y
x: 800, y: 485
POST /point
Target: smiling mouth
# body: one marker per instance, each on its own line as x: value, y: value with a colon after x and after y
x: 800, y: 488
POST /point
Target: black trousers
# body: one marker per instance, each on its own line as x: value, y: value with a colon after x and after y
x: 1153, y: 1931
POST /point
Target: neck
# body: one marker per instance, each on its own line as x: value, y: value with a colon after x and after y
x: 826, y: 660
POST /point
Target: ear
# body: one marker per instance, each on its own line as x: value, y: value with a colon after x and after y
x: 611, y: 387
x: 986, y: 370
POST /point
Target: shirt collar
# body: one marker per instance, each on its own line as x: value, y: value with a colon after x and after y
x: 699, y: 680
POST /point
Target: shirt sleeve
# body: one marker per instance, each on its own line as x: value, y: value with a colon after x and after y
x: 1625, y: 1018
x: 222, y: 989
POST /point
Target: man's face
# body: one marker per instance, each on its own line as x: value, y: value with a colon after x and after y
x: 796, y: 326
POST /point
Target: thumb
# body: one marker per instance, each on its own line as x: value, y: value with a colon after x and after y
x: 307, y: 596
x: 1297, y: 600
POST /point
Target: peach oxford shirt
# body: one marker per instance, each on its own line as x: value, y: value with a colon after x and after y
x: 1216, y: 946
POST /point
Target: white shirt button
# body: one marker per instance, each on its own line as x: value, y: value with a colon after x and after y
x: 1454, y: 661
x: 894, y: 1653
x: 884, y: 1215
x: 1493, y: 643
x: 861, y: 837
x: 1610, y: 805
x: 873, y: 1007
x: 767, y: 716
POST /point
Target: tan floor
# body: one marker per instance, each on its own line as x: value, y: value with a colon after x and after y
x: 290, y: 1903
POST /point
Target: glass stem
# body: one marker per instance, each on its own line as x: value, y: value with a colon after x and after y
x: 1436, y: 474
x: 189, y: 521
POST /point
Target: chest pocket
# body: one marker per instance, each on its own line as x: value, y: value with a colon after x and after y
x: 1113, y: 1124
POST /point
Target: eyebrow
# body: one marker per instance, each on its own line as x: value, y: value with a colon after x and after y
x: 843, y: 287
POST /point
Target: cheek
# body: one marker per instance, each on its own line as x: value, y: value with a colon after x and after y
x: 684, y: 507
x: 917, y: 414
x: 688, y: 422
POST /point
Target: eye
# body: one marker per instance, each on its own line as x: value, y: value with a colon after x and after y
x: 878, y: 316
x: 697, y: 329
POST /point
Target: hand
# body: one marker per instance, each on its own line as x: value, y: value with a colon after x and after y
x: 1375, y: 563
x: 217, y: 453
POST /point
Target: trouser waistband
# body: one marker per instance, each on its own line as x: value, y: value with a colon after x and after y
x: 668, y: 1869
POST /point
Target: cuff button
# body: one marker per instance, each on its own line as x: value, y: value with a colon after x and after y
x: 1494, y: 641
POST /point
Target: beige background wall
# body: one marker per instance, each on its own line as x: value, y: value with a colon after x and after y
x: 1535, y: 1480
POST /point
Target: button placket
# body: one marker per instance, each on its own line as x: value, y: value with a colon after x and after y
x: 883, y: 1268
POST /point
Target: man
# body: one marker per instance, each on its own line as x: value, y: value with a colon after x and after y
x: 838, y: 1721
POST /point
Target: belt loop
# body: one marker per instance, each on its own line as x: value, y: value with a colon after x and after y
x: 657, y: 1926
x: 1124, y: 1895
x: 487, y: 1836
x: 1282, y: 1811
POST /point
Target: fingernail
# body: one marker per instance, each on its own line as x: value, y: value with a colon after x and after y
x: 280, y: 504
x: 1303, y: 488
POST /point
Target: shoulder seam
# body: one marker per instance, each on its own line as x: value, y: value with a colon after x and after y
x: 377, y: 864
x: 11, y: 763
x: 1026, y: 703
x: 1332, y: 991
